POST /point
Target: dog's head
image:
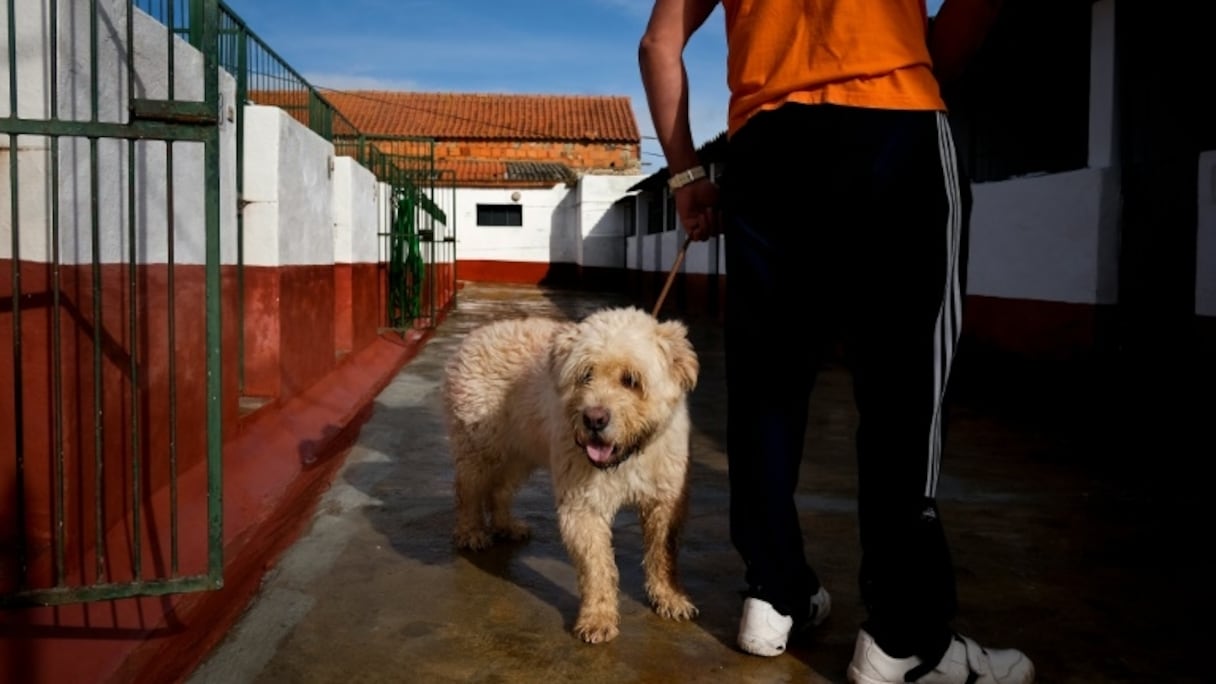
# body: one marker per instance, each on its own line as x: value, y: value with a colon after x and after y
x: 621, y: 375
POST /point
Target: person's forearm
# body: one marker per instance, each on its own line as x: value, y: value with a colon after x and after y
x: 666, y: 85
x: 661, y: 59
x: 959, y: 29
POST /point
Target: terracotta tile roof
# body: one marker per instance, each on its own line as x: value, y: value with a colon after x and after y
x: 286, y: 98
x: 486, y: 116
x: 540, y: 171
x: 476, y: 172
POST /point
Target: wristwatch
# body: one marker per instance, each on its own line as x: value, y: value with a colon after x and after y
x: 679, y: 180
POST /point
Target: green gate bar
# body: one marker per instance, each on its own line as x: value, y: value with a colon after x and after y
x: 149, y: 122
x: 145, y: 124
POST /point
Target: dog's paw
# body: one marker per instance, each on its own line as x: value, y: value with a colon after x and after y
x: 472, y: 540
x: 675, y: 606
x: 514, y: 531
x: 596, y: 628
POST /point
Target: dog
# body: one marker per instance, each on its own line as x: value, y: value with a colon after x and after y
x: 600, y: 403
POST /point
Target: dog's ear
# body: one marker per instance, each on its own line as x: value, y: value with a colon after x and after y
x: 559, y: 351
x: 673, y: 337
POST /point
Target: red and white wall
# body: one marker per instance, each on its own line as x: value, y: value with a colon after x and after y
x: 103, y: 347
x: 289, y: 245
x: 102, y: 341
x: 97, y: 292
x: 1044, y: 249
x: 566, y: 232
x: 651, y: 256
x: 357, y: 294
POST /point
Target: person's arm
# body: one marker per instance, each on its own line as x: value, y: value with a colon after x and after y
x: 661, y: 59
x: 959, y: 29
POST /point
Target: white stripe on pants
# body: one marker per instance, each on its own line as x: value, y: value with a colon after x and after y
x: 949, y: 316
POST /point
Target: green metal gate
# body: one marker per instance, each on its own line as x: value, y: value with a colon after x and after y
x: 405, y: 266
x: 417, y: 291
x: 110, y: 334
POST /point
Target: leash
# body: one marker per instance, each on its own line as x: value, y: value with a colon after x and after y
x: 671, y: 276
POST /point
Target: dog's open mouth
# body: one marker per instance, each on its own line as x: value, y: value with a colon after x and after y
x: 601, y: 453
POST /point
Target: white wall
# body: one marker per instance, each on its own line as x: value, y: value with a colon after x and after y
x: 702, y: 257
x: 633, y: 246
x: 660, y: 249
x: 1052, y: 237
x: 445, y: 198
x: 288, y: 190
x: 74, y: 183
x: 356, y: 212
x: 1055, y: 237
x: 657, y: 253
x: 384, y: 217
x: 1205, y: 261
x: 33, y: 66
x: 73, y: 58
x: 548, y: 233
x: 583, y: 225
x: 603, y: 219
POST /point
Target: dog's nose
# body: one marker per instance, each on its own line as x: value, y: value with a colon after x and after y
x: 596, y: 418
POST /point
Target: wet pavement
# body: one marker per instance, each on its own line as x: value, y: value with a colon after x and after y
x: 1081, y: 560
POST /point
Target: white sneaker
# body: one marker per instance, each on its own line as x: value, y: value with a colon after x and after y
x: 764, y: 632
x: 965, y: 662
x: 821, y: 606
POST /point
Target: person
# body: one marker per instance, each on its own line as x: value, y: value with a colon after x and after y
x: 844, y: 212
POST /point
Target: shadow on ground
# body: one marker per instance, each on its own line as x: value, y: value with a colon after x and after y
x: 1091, y: 570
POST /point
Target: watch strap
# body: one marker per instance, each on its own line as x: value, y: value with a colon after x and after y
x: 679, y: 180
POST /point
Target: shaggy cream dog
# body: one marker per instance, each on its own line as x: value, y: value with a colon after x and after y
x: 601, y: 404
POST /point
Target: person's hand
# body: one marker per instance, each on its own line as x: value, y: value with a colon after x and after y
x: 697, y: 207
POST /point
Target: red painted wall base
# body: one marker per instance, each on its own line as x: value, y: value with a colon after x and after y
x: 275, y: 470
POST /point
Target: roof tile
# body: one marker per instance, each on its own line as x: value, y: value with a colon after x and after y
x: 490, y: 116
x: 487, y: 173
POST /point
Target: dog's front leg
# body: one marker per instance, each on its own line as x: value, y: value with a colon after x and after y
x: 661, y: 523
x: 587, y: 535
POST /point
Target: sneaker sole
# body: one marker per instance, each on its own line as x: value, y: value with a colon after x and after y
x: 760, y: 648
x: 856, y: 677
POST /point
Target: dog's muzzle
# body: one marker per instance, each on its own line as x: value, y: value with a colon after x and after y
x: 602, y: 452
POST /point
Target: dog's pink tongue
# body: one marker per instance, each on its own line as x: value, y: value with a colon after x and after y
x: 599, y: 453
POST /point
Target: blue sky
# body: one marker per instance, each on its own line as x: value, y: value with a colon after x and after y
x: 570, y: 47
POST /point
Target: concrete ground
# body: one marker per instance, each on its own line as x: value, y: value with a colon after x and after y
x: 1081, y: 560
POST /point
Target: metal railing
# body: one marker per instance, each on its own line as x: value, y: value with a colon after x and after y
x: 105, y: 246
x: 420, y: 236
x: 110, y: 247
x: 406, y: 164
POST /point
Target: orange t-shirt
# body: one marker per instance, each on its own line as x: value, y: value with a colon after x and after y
x: 862, y: 53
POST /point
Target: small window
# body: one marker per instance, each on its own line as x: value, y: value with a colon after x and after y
x: 500, y: 215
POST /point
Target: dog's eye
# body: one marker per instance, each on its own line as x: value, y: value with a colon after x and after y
x: 585, y: 378
x: 630, y: 380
